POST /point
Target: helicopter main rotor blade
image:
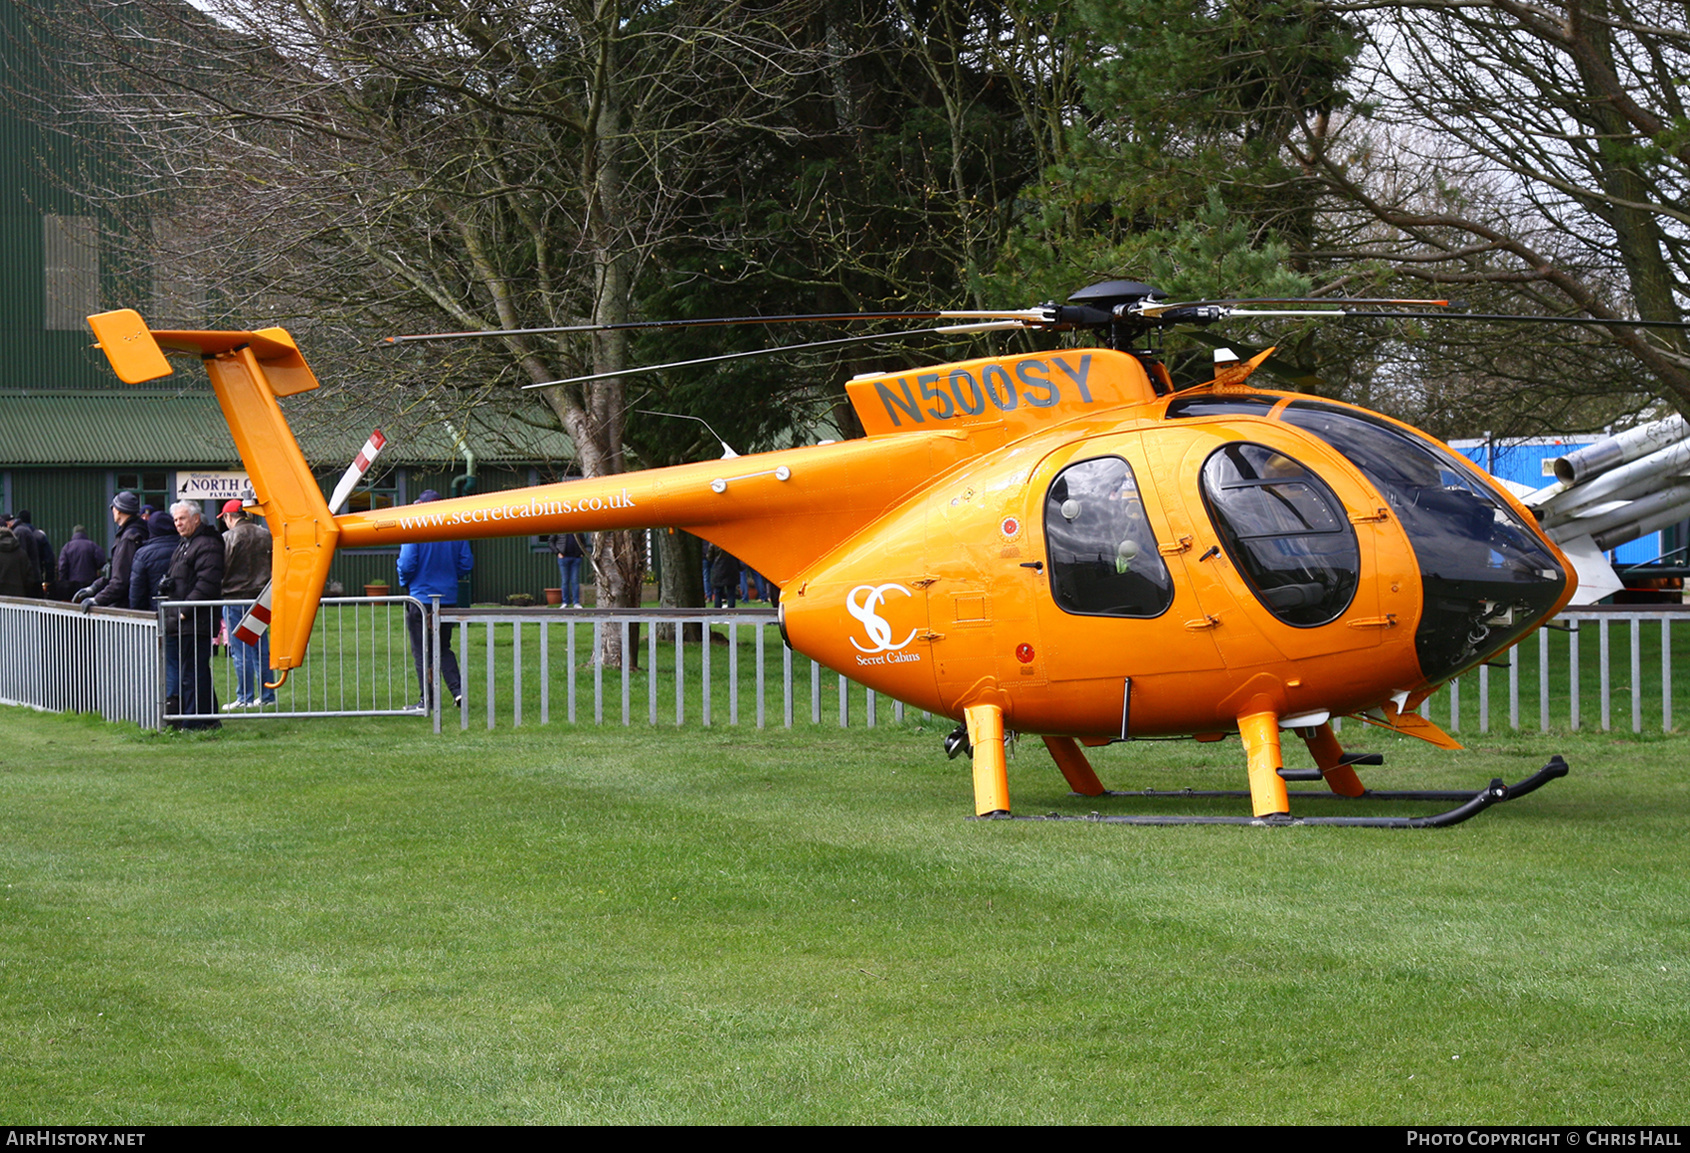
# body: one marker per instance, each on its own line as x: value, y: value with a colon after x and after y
x: 1332, y: 304
x: 1503, y: 318
x: 947, y: 330
x: 1032, y: 316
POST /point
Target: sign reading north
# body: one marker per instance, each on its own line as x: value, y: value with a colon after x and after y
x: 218, y: 486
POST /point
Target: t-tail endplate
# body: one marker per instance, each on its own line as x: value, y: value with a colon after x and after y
x: 248, y: 371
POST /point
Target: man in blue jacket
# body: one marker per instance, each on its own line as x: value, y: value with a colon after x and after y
x: 427, y: 571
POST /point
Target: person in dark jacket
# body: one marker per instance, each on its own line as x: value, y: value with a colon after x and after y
x: 148, y: 569
x: 152, y: 561
x: 18, y: 575
x: 79, y: 562
x: 196, y: 574
x: 724, y: 575
x: 39, y: 547
x: 131, y: 535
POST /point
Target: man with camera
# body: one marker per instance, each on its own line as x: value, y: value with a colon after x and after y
x: 196, y: 574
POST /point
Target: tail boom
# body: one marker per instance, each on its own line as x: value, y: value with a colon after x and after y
x: 777, y: 511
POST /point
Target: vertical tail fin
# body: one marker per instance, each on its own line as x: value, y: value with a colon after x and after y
x: 248, y: 371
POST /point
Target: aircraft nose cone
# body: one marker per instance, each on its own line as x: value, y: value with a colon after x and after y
x: 1484, y: 591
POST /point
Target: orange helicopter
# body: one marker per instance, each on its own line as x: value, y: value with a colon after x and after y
x: 1054, y: 543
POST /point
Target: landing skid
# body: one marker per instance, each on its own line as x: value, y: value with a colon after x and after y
x: 1472, y: 804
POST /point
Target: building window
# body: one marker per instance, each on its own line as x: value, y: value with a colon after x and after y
x: 151, y: 487
x: 71, y: 255
x: 382, y: 493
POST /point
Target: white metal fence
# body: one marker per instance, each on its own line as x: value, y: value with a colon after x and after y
x: 59, y: 659
x: 1607, y: 667
x: 522, y: 658
x: 117, y: 662
x: 1613, y: 660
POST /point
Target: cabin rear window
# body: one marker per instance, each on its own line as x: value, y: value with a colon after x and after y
x: 1286, y: 532
x: 1103, y: 557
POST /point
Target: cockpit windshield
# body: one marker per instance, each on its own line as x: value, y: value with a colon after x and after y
x: 1487, y: 576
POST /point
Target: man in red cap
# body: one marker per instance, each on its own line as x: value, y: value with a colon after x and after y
x: 246, y: 570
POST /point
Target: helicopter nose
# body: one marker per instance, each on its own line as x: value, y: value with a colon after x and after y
x: 1488, y: 577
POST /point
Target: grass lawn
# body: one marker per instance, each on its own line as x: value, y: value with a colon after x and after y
x: 356, y: 921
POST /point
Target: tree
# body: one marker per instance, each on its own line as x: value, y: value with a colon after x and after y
x: 467, y: 164
x: 901, y: 157
x: 1169, y: 166
x: 1354, y: 147
x: 1535, y: 154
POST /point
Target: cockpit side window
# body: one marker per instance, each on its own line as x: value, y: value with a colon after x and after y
x: 1103, y: 556
x: 1285, y: 530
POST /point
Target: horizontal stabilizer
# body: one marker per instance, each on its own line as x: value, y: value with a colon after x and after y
x: 1409, y: 724
x: 137, y: 353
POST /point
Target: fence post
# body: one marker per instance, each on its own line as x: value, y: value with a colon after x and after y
x: 1573, y: 666
x: 598, y: 671
x: 680, y: 681
x: 1636, y: 675
x: 733, y: 673
x: 1606, y: 679
x: 704, y: 672
x: 759, y: 630
x: 651, y: 665
x: 569, y: 657
x: 491, y: 683
x: 163, y: 665
x: 1514, y: 690
x: 1666, y: 673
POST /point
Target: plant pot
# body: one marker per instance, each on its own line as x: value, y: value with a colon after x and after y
x: 377, y: 590
x: 554, y: 596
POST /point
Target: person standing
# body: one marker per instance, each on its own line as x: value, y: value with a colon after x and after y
x: 428, y: 571
x: 151, y: 563
x: 724, y: 575
x: 79, y: 563
x: 131, y: 535
x: 246, y: 570
x: 567, y: 546
x: 196, y: 574
x: 147, y: 571
x: 18, y: 575
x: 39, y: 547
